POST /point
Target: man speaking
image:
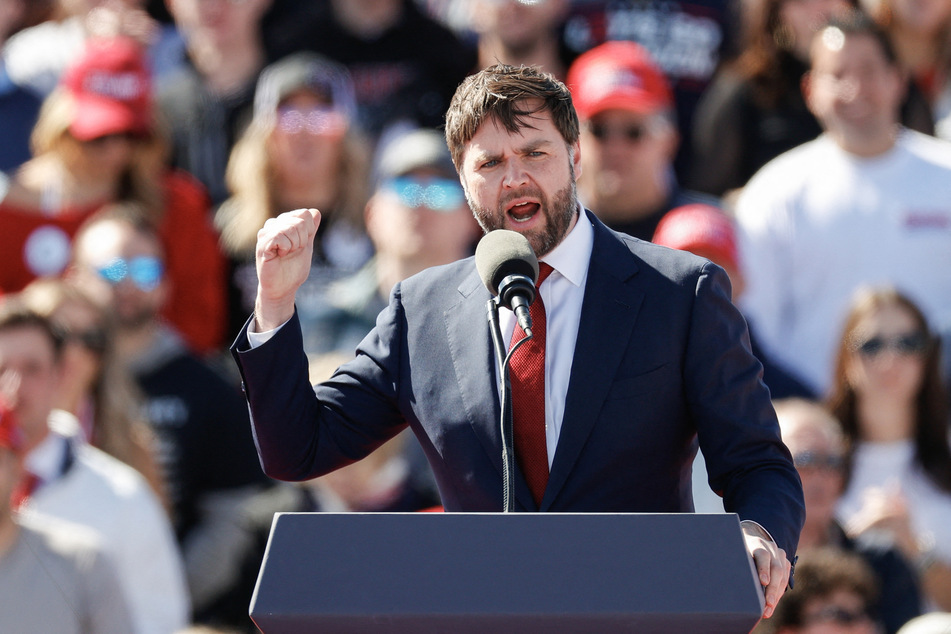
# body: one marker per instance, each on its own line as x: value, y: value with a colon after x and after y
x: 643, y: 352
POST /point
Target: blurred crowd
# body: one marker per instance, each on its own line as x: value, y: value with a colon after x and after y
x: 802, y: 145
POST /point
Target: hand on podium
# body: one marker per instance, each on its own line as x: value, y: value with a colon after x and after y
x: 772, y: 566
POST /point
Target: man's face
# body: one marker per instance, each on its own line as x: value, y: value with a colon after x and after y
x: 217, y: 23
x: 519, y: 26
x: 627, y: 158
x: 852, y: 88
x: 29, y: 378
x: 523, y: 182
x: 819, y: 460
x: 422, y: 217
x: 113, y: 262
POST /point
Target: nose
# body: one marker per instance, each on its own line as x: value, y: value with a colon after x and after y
x: 515, y: 174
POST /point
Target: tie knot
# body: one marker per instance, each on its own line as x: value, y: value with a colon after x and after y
x: 544, y: 270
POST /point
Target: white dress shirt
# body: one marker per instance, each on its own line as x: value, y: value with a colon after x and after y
x: 563, y: 295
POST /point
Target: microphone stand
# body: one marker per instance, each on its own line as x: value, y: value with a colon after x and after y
x: 505, y: 389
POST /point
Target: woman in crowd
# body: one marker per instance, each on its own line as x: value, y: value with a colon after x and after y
x: 889, y: 396
x: 920, y: 30
x: 97, y: 142
x: 301, y: 149
x: 93, y: 387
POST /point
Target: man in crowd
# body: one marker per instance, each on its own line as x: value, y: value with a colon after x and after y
x: 54, y: 577
x: 69, y: 480
x: 868, y: 202
x: 628, y: 139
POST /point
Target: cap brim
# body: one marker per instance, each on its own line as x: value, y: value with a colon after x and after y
x: 638, y: 102
x: 96, y: 118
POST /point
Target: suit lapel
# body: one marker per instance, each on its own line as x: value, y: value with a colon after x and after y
x: 607, y: 321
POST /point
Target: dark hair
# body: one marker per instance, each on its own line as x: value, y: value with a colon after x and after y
x: 821, y: 572
x: 500, y: 92
x: 14, y: 313
x: 857, y: 22
x: 932, y: 450
x: 767, y: 59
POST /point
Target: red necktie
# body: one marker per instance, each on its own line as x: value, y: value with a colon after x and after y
x: 527, y: 373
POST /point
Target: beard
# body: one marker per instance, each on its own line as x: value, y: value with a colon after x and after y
x: 558, y: 213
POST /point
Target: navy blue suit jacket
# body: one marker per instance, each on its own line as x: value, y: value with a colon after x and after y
x: 662, y: 358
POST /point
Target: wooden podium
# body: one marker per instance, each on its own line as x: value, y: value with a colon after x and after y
x: 478, y: 573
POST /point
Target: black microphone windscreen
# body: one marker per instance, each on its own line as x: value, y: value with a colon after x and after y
x: 501, y: 253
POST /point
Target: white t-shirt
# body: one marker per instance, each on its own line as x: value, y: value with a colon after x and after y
x: 818, y: 222
x: 891, y: 466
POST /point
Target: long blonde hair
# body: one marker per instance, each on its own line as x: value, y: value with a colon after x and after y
x: 250, y: 179
x: 141, y: 182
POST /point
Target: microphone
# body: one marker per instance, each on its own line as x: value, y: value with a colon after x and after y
x: 508, y: 268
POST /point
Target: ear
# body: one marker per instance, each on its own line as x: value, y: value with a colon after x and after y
x: 371, y: 216
x: 575, y: 150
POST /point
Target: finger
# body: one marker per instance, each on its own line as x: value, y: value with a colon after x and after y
x: 273, y: 240
x: 300, y: 226
x: 778, y: 580
x: 309, y: 219
x: 762, y: 560
x: 287, y: 233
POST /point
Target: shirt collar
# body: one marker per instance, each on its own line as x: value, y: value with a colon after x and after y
x: 572, y: 256
x: 45, y: 461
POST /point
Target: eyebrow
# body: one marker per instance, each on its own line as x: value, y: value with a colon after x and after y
x: 529, y: 146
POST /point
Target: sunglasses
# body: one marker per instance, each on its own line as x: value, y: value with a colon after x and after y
x: 908, y: 344
x: 94, y: 339
x: 438, y: 194
x: 317, y: 121
x: 144, y: 271
x: 837, y: 615
x: 816, y: 460
x: 631, y: 133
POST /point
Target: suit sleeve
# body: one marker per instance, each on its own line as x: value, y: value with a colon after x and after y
x: 747, y: 462
x: 303, y: 431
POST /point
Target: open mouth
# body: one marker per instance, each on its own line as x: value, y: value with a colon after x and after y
x: 523, y: 211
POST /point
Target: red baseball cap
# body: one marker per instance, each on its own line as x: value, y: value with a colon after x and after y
x: 112, y: 89
x: 10, y: 436
x: 699, y: 228
x: 618, y: 75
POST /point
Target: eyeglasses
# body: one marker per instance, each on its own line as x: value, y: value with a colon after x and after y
x: 908, y: 344
x: 317, y: 121
x: 816, y: 460
x: 93, y: 339
x: 634, y: 133
x: 144, y: 271
x: 838, y: 615
x: 438, y: 194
